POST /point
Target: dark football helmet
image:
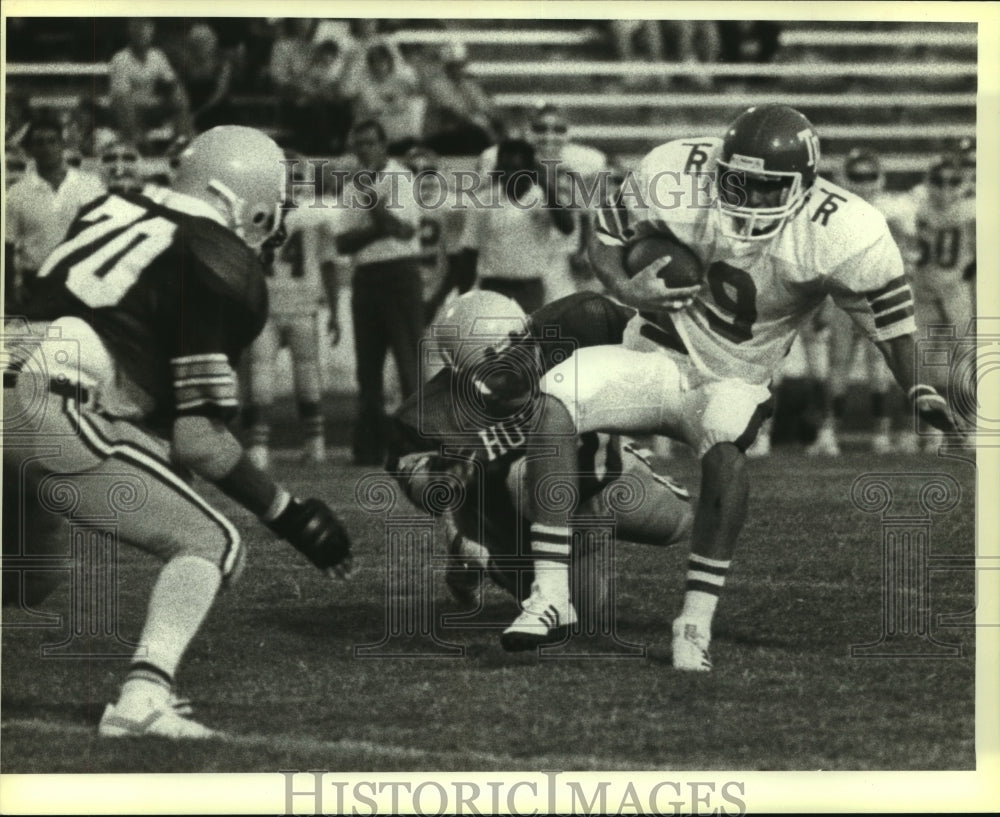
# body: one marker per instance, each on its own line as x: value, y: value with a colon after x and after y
x: 770, y: 158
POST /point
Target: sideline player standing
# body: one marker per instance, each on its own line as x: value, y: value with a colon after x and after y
x: 302, y: 277
x: 160, y: 298
x: 774, y: 240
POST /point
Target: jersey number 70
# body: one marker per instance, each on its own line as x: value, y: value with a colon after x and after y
x: 123, y: 244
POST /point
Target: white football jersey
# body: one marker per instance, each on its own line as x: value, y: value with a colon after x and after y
x: 945, y: 239
x: 295, y: 284
x: 757, y: 293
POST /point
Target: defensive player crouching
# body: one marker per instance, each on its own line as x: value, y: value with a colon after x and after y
x: 774, y: 240
x: 134, y: 329
x: 477, y: 419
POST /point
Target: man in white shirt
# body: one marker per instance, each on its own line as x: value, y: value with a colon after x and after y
x: 145, y: 91
x: 42, y: 204
x: 508, y: 242
x: 380, y: 230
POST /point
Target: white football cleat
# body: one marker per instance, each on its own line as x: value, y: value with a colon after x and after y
x: 825, y: 445
x: 881, y: 443
x: 542, y: 621
x: 907, y: 442
x: 314, y: 451
x: 259, y: 456
x: 163, y: 723
x: 690, y: 647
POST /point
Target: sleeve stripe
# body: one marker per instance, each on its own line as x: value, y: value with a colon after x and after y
x: 888, y: 302
x: 202, y: 401
x: 896, y: 283
x: 887, y: 318
x: 205, y: 380
x: 200, y: 358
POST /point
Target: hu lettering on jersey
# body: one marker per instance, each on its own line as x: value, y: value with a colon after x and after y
x: 828, y: 206
x: 499, y: 439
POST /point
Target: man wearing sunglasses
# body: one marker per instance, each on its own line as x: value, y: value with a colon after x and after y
x: 578, y: 167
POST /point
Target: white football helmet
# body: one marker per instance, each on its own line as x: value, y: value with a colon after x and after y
x: 240, y: 172
x: 476, y: 323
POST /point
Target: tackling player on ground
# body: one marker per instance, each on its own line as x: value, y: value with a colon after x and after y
x: 775, y: 241
x: 159, y: 299
x: 476, y: 419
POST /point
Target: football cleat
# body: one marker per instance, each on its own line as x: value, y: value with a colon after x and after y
x: 761, y: 446
x: 690, y: 647
x: 881, y: 443
x: 542, y: 621
x: 164, y: 723
x: 314, y: 451
x: 825, y: 445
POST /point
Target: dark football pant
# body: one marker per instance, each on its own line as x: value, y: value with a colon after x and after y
x: 387, y: 308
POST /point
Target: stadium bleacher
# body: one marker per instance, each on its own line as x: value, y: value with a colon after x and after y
x: 906, y: 90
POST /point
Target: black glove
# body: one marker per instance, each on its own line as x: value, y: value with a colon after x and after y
x: 311, y: 528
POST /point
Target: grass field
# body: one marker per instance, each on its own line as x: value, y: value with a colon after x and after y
x: 274, y: 665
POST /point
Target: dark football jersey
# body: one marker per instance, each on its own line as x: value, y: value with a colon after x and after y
x: 437, y: 418
x: 174, y: 297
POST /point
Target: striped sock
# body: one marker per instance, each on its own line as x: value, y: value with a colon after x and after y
x: 312, y: 419
x: 146, y: 687
x: 705, y: 580
x: 550, y: 545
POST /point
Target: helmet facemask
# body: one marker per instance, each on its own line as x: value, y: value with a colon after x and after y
x: 754, y: 203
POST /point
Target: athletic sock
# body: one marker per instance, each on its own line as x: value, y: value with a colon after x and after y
x: 312, y: 419
x: 181, y: 598
x: 550, y: 546
x: 705, y: 580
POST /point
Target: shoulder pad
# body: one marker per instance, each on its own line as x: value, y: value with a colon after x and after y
x: 227, y: 265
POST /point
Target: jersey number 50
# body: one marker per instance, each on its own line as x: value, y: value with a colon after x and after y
x: 122, y: 247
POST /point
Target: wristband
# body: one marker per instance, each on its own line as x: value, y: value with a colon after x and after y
x: 281, y: 500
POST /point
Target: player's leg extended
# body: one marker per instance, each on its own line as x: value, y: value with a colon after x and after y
x: 263, y: 354
x: 303, y: 341
x: 829, y: 357
x: 200, y: 548
x: 729, y: 414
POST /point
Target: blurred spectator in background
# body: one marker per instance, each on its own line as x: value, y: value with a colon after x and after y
x: 578, y: 168
x: 461, y: 118
x: 635, y: 41
x: 41, y: 206
x: 291, y: 56
x: 207, y: 74
x: 691, y: 42
x: 748, y: 40
x: 120, y: 169
x: 384, y: 88
x: 328, y: 100
x: 17, y: 117
x: 16, y: 165
x: 386, y: 288
x: 145, y: 91
x: 507, y: 245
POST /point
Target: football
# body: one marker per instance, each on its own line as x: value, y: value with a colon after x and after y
x: 684, y: 269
